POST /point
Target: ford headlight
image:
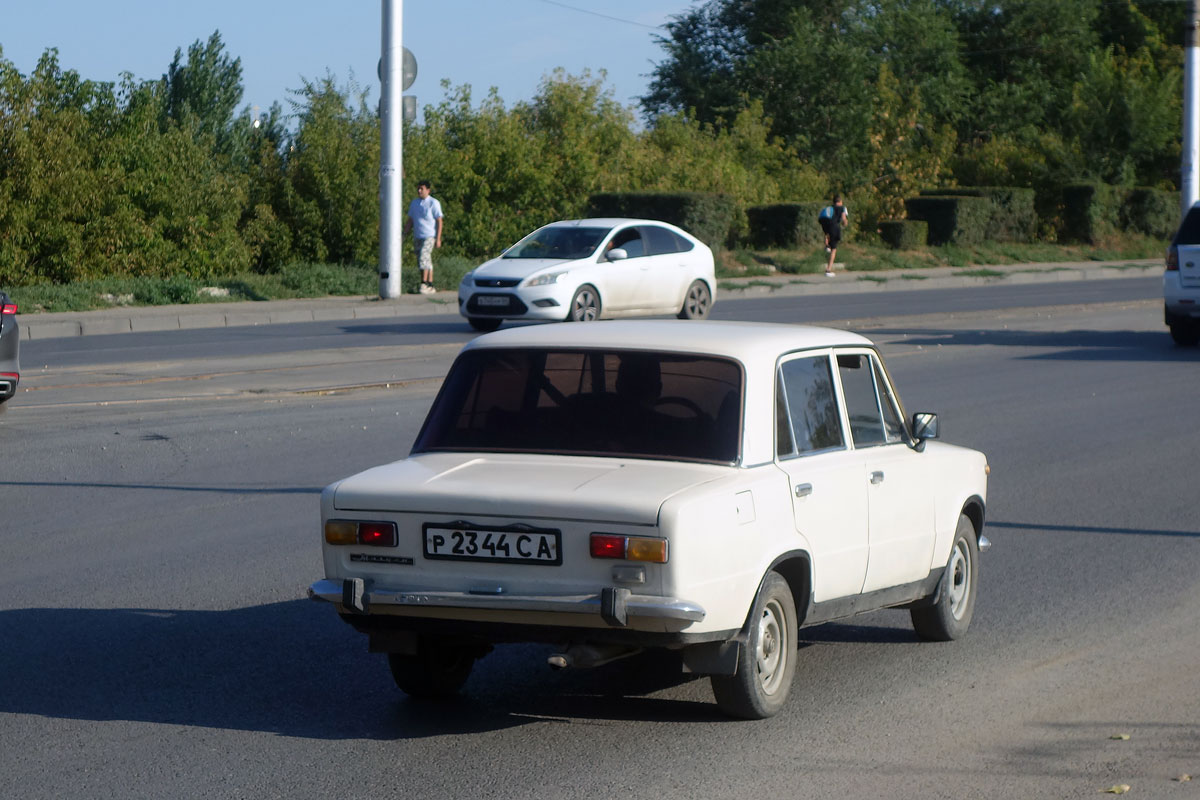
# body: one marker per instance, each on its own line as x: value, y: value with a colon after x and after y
x: 466, y: 279
x: 545, y: 278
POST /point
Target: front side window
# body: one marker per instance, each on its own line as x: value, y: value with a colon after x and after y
x: 807, y: 417
x: 874, y: 418
x: 630, y: 240
x: 589, y: 402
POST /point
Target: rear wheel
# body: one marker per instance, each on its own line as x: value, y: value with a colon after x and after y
x: 950, y: 616
x: 1186, y: 334
x: 483, y: 324
x: 767, y: 657
x: 585, y: 305
x: 697, y: 301
x: 437, y: 669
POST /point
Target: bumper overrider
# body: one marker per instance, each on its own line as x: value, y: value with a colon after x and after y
x: 614, y: 605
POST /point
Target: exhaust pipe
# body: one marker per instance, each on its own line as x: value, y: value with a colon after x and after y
x: 590, y: 655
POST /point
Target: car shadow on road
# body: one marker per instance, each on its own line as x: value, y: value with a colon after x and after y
x: 294, y: 669
x: 1074, y: 345
x: 1038, y: 527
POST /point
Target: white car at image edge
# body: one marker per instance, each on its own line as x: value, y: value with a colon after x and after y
x: 702, y: 487
x: 587, y: 269
x: 1181, y: 281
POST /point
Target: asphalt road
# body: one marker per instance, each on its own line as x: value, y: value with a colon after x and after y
x: 159, y: 527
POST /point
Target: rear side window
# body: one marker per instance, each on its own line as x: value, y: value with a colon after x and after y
x: 806, y: 417
x: 589, y: 402
x: 1189, y: 231
x: 663, y: 241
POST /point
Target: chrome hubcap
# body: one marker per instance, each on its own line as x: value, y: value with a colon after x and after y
x: 771, y: 650
x: 958, y: 584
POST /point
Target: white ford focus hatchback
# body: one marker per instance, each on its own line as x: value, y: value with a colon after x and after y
x: 703, y: 487
x: 586, y: 269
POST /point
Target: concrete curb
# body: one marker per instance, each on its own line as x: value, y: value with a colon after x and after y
x: 143, y: 319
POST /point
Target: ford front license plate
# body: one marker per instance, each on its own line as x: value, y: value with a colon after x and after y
x: 500, y: 545
x: 492, y: 300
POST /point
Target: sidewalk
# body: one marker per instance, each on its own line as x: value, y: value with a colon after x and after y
x: 137, y: 319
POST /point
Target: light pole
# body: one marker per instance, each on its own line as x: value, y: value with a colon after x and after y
x: 1189, y: 191
x: 391, y: 151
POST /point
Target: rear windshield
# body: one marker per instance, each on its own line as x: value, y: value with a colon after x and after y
x: 1189, y: 231
x: 588, y: 402
x: 558, y: 242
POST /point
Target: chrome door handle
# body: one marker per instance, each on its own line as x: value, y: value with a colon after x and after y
x: 877, y: 476
x: 803, y: 489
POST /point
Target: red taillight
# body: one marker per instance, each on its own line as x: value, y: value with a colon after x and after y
x: 8, y: 308
x: 630, y: 548
x: 605, y: 545
x: 1172, y: 258
x: 377, y: 534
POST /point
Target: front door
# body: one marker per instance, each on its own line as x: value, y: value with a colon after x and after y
x: 900, y: 506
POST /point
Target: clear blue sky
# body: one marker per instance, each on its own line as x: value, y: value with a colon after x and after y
x: 509, y: 44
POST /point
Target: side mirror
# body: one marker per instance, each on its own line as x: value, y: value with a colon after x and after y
x: 617, y: 254
x: 925, y: 425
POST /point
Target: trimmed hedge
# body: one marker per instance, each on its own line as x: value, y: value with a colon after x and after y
x: 1013, y: 216
x: 952, y: 220
x: 1152, y: 212
x: 791, y: 226
x: 711, y: 218
x: 904, y: 234
x: 1089, y: 212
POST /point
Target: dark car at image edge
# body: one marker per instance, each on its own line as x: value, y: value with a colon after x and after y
x: 10, y: 340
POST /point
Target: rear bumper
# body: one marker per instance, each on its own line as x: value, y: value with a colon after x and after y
x: 1180, y: 300
x: 8, y: 384
x: 616, y: 607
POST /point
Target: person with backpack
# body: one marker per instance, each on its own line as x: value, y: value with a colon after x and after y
x: 832, y: 219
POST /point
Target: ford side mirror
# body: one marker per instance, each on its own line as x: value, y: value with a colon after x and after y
x: 617, y: 254
x: 925, y: 425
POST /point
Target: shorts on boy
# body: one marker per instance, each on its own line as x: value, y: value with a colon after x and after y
x: 424, y: 250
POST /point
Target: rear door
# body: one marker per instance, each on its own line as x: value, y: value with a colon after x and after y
x: 829, y: 496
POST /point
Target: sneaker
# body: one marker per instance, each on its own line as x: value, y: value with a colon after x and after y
x: 427, y: 288
x: 828, y: 274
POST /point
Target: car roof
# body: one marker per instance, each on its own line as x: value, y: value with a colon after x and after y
x: 744, y: 341
x: 606, y: 222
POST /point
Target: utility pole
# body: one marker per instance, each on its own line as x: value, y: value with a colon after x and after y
x: 1188, y: 185
x: 391, y: 158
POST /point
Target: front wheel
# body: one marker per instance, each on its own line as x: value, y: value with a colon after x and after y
x: 585, y: 305
x: 437, y: 669
x: 696, y: 302
x: 950, y: 616
x: 767, y: 657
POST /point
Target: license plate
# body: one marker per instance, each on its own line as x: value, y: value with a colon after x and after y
x: 506, y: 545
x: 492, y: 300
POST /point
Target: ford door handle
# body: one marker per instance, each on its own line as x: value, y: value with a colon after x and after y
x: 877, y: 476
x: 803, y: 489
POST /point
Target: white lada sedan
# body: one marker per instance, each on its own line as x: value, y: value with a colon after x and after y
x: 705, y: 487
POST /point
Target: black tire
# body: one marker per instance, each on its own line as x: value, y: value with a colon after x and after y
x: 950, y: 616
x: 697, y: 301
x: 437, y: 670
x: 766, y: 657
x: 585, y: 305
x: 483, y: 324
x: 1186, y: 334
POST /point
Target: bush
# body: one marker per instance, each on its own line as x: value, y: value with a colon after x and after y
x: 1090, y: 211
x: 787, y: 225
x: 711, y: 218
x: 904, y: 234
x: 1152, y: 212
x: 952, y: 220
x: 1013, y: 216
